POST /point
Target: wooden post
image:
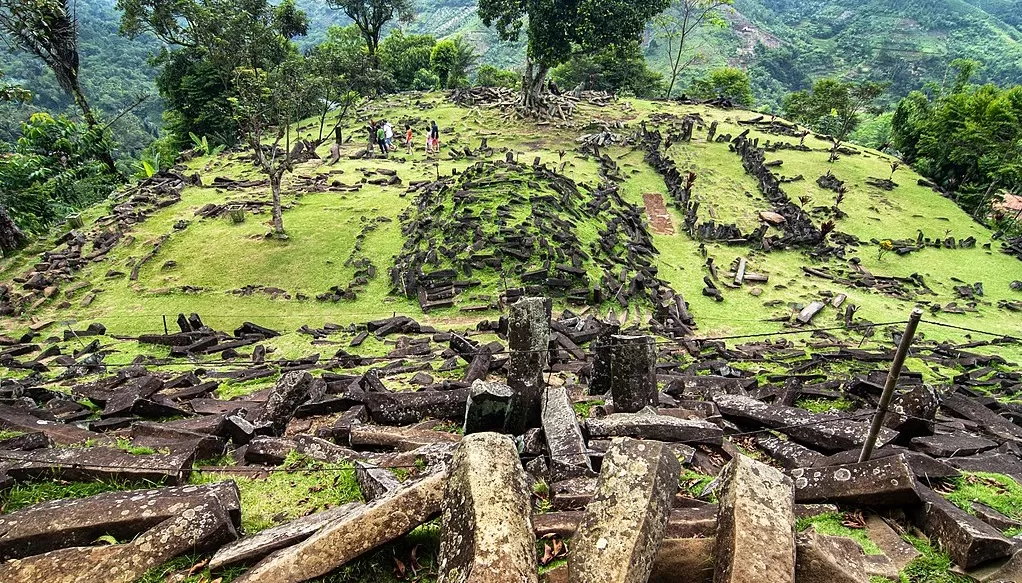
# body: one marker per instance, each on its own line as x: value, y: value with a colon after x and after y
x: 166, y: 332
x: 892, y: 381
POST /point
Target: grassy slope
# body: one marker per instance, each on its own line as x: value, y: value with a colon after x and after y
x: 218, y: 256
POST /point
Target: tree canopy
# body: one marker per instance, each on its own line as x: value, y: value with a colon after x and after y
x: 726, y: 82
x: 833, y: 107
x: 370, y: 16
x: 618, y: 68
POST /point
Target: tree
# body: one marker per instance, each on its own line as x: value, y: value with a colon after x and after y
x: 208, y: 40
x: 620, y: 67
x: 402, y: 55
x: 339, y: 67
x: 13, y: 92
x: 490, y: 76
x: 725, y: 82
x: 451, y: 61
x: 48, y: 30
x: 371, y: 16
x: 677, y: 26
x: 557, y: 30
x: 265, y: 105
x: 969, y: 141
x: 835, y: 105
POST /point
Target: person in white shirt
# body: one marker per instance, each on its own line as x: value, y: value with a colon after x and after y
x: 388, y: 131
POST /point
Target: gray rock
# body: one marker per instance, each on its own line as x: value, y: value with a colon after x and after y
x: 293, y: 389
x: 888, y: 481
x: 824, y: 432
x: 968, y: 540
x: 340, y: 541
x: 486, y: 531
x: 487, y: 407
x: 831, y: 559
x: 399, y: 438
x: 957, y: 445
x: 890, y: 542
x: 412, y: 407
x: 649, y: 425
x: 96, y: 463
x: 755, y: 525
x: 253, y: 548
x: 788, y: 454
x: 375, y: 482
x: 124, y: 515
x: 195, y: 529
x: 566, y: 448
x: 991, y: 422
x: 528, y: 336
x: 911, y: 413
x: 622, y: 528
x: 632, y: 373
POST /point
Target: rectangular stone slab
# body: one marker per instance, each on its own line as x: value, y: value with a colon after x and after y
x: 957, y: 445
x: 96, y: 463
x: 77, y: 522
x: 888, y: 481
x: 659, y: 427
x: 819, y: 431
x: 18, y: 420
x: 565, y: 446
x: 342, y: 540
x: 968, y: 540
x: 407, y: 408
x: 755, y: 524
x: 253, y: 548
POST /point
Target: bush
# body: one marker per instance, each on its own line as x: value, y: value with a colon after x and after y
x: 490, y: 76
x: 726, y: 82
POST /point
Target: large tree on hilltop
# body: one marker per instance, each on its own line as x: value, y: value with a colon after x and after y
x: 557, y: 29
x: 371, y: 16
x: 48, y: 29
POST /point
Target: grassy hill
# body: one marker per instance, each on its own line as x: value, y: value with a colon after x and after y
x: 229, y: 273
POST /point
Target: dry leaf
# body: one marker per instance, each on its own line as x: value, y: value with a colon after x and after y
x: 548, y: 555
x: 416, y: 566
x: 399, y: 569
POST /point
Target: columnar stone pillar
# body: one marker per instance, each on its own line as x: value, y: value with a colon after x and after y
x: 528, y: 336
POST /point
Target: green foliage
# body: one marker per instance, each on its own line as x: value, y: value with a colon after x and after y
x: 203, y: 146
x: 969, y: 140
x: 370, y: 16
x: 404, y: 55
x: 726, y: 82
x: 54, y: 170
x: 425, y: 80
x: 125, y: 445
x: 9, y: 434
x: 875, y: 132
x: 832, y: 106
x: 617, y: 68
x: 693, y: 482
x: 13, y: 92
x: 490, y: 76
x: 451, y: 61
x: 556, y: 30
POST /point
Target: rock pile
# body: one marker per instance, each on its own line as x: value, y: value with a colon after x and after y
x: 609, y: 479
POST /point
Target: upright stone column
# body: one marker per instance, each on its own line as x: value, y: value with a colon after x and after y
x: 528, y: 322
x: 633, y: 373
x: 755, y: 524
x: 486, y: 533
x: 622, y: 528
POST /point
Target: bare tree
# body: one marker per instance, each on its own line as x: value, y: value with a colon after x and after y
x: 677, y: 26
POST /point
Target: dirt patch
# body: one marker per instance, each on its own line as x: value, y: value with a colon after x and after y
x: 659, y: 218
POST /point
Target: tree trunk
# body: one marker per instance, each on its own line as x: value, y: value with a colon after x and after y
x: 105, y: 157
x: 278, y: 219
x: 532, y: 84
x: 11, y: 237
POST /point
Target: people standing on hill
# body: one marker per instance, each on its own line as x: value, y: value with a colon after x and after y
x: 371, y: 148
x: 408, y: 138
x: 434, y: 135
x: 388, y: 131
x: 381, y: 140
x: 429, y: 140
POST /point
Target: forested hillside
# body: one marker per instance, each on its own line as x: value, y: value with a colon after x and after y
x: 784, y: 44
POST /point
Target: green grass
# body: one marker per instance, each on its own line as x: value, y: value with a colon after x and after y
x: 830, y: 524
x: 933, y: 567
x: 126, y: 445
x: 997, y: 491
x: 9, y: 434
x: 584, y: 409
x: 693, y: 482
x: 826, y: 405
x: 23, y: 495
x: 299, y: 486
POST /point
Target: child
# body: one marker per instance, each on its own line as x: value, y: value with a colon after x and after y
x: 408, y: 138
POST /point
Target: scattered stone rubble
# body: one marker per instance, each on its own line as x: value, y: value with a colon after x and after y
x: 611, y: 478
